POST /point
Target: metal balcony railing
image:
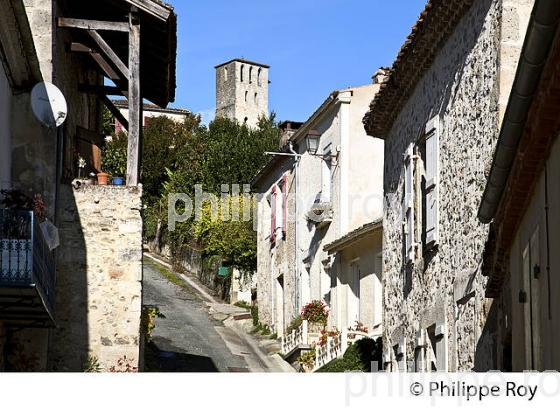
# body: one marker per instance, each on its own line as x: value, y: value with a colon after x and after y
x: 27, y: 275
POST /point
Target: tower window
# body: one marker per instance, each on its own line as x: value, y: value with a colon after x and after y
x: 226, y: 74
x: 259, y: 77
x: 242, y: 73
x: 250, y: 75
x: 246, y: 95
x: 256, y: 95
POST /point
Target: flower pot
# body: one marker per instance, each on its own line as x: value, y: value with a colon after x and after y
x: 102, y: 178
x: 118, y: 181
x: 314, y: 327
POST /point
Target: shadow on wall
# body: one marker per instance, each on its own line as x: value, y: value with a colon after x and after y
x: 69, y: 346
x: 489, y: 345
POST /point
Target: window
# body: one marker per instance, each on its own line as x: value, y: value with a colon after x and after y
x: 431, y: 349
x: 147, y: 121
x: 326, y: 180
x: 278, y: 200
x: 259, y: 77
x: 250, y: 75
x: 408, y: 204
x: 242, y: 73
x: 226, y: 74
x: 430, y: 194
x: 256, y: 98
x: 246, y: 95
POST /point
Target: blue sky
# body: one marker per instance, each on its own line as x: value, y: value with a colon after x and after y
x: 312, y: 46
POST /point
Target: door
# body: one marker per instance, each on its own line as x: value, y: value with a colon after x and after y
x: 530, y: 297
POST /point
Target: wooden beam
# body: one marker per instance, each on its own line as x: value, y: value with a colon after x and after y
x: 115, y: 111
x: 134, y: 102
x: 93, y: 24
x: 100, y: 89
x: 104, y: 65
x: 108, y: 51
x: 151, y: 7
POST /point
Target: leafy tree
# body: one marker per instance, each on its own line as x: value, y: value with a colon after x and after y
x: 115, y: 155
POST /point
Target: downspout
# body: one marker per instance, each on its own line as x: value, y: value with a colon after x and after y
x: 534, y: 56
x: 296, y: 228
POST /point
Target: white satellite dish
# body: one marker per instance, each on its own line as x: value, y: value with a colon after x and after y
x: 49, y: 105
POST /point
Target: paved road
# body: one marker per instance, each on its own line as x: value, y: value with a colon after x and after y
x: 188, y: 339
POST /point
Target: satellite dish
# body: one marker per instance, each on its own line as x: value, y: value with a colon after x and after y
x: 49, y: 105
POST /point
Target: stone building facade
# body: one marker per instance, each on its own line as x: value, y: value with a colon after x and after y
x: 309, y: 200
x: 93, y: 308
x: 440, y: 125
x: 242, y: 91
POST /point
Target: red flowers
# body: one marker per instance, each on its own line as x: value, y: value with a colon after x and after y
x: 315, y: 312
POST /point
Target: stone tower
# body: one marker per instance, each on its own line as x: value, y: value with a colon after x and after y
x: 242, y: 91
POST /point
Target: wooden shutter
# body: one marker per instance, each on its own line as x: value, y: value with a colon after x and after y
x: 284, y: 204
x: 408, y: 205
x: 273, y: 216
x: 432, y: 181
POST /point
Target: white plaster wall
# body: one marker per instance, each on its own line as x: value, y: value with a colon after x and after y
x: 366, y: 253
x: 155, y: 114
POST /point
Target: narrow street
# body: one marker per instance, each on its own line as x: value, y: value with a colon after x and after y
x: 189, y: 338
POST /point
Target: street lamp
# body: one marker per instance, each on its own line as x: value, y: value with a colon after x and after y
x: 312, y: 141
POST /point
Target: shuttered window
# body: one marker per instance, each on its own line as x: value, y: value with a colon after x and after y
x: 432, y: 182
x: 408, y: 204
x: 273, y: 215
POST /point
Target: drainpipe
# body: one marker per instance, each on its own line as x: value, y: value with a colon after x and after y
x: 296, y: 235
x: 534, y: 56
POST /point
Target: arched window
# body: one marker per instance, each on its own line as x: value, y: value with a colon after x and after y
x: 259, y: 77
x: 256, y: 95
x: 242, y: 73
x: 246, y: 95
x: 250, y: 75
x: 225, y: 73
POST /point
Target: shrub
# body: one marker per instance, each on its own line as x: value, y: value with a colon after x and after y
x: 358, y: 357
x: 294, y: 324
x: 255, y: 315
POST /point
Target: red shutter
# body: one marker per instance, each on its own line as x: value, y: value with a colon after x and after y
x: 273, y: 216
x: 147, y: 121
x: 284, y: 204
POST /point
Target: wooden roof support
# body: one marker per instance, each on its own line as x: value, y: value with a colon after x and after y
x: 93, y: 24
x: 134, y: 102
x: 115, y: 111
x: 109, y: 53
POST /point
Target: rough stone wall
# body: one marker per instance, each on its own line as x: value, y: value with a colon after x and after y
x: 462, y: 87
x: 274, y: 261
x: 99, y: 277
x: 240, y: 100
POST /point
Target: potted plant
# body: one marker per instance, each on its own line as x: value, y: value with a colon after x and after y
x: 316, y: 313
x: 114, y: 159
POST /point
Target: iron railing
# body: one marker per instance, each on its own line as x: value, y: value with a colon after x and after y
x: 25, y: 259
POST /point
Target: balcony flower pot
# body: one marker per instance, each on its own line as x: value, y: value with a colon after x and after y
x: 118, y: 181
x: 102, y: 178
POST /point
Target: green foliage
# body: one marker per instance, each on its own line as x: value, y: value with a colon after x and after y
x: 255, y: 315
x: 308, y: 359
x: 224, y: 153
x: 115, y: 155
x: 294, y: 324
x: 242, y: 304
x: 108, y: 127
x: 92, y: 365
x: 357, y: 358
x: 148, y: 320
